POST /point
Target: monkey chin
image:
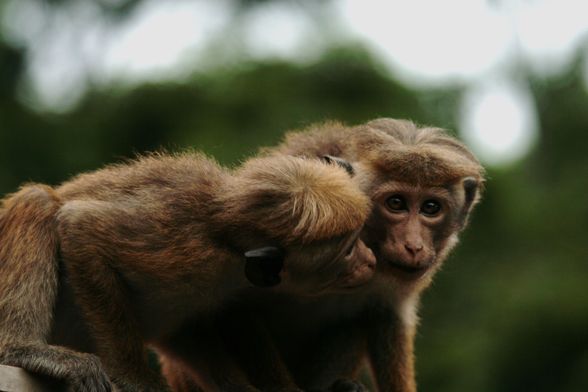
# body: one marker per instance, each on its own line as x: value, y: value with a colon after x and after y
x: 407, y: 272
x: 359, y: 275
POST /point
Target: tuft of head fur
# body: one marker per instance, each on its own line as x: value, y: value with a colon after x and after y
x: 421, y: 156
x: 296, y: 200
x: 397, y: 150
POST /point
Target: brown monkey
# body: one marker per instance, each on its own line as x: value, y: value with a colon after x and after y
x: 152, y: 244
x: 423, y: 184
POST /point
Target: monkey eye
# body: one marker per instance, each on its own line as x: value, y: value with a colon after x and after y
x: 396, y: 203
x: 431, y: 207
x: 349, y: 250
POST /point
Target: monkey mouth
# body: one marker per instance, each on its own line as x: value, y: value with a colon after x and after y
x: 402, y: 269
x: 359, y: 275
x: 408, y: 271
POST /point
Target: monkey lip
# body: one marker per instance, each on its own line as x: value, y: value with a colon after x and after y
x: 408, y: 271
x: 359, y: 274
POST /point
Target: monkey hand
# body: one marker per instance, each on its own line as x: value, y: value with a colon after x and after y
x: 89, y: 376
x: 80, y: 371
x: 346, y: 385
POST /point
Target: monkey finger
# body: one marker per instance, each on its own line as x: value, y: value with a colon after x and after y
x: 98, y: 383
x: 92, y: 379
x: 345, y: 385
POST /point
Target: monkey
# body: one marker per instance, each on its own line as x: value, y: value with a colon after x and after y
x: 161, y: 242
x: 423, y: 184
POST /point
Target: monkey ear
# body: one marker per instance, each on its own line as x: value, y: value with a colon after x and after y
x: 263, y: 266
x: 341, y: 162
x: 470, y: 187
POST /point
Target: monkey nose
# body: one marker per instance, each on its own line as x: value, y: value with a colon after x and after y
x: 413, y: 248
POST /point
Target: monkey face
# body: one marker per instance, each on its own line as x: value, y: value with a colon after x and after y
x: 358, y: 265
x: 328, y: 266
x: 413, y: 228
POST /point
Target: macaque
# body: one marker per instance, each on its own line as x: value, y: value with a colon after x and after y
x: 423, y: 184
x: 127, y: 256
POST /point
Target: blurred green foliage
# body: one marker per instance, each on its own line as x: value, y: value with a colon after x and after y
x: 510, y: 310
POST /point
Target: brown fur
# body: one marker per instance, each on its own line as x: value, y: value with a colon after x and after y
x: 29, y: 246
x: 29, y: 280
x: 322, y: 340
x: 157, y: 242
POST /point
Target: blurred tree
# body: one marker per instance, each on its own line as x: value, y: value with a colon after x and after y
x: 510, y: 313
x: 228, y: 113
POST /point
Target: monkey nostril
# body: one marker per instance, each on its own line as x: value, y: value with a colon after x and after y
x: 413, y: 249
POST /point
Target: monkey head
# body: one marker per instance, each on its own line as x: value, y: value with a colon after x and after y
x: 312, y: 269
x: 309, y: 213
x: 332, y: 265
x: 423, y: 185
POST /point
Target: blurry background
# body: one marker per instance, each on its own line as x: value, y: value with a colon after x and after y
x: 88, y: 82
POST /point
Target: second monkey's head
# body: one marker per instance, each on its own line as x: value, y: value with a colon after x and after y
x: 307, y: 213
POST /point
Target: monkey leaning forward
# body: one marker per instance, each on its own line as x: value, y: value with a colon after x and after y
x: 423, y: 184
x: 139, y: 249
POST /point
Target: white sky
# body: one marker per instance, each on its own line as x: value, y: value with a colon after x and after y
x: 424, y: 42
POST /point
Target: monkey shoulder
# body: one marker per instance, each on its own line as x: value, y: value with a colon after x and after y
x: 30, y: 196
x: 80, y: 211
x: 155, y: 173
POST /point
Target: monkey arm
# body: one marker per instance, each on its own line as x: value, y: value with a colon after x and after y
x: 28, y: 290
x: 179, y: 376
x: 336, y: 355
x: 103, y: 295
x: 80, y: 370
x: 252, y: 345
x: 390, y: 351
x: 232, y: 352
x: 28, y: 264
x: 113, y: 325
x: 195, y: 359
